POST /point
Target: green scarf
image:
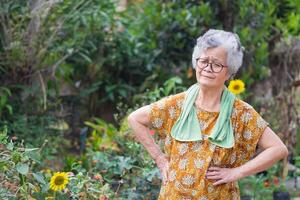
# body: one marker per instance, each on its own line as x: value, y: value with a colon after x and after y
x: 187, y: 127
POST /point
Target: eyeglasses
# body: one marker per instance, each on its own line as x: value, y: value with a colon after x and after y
x: 215, y: 67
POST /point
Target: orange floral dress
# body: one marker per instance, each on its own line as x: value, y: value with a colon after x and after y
x: 190, y: 160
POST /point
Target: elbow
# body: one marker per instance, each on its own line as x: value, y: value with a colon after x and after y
x: 130, y: 118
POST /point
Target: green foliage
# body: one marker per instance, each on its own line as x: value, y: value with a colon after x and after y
x: 106, y: 55
x: 20, y: 178
x: 63, y: 62
x: 4, y: 105
x: 262, y: 186
x: 15, y: 162
x: 122, y: 162
x: 131, y: 172
x: 172, y: 85
x: 253, y: 26
x: 103, y: 134
x: 297, y: 164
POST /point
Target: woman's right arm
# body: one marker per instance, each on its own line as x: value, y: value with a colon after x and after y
x: 139, y: 121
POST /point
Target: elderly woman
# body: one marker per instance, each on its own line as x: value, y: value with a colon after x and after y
x: 210, y: 135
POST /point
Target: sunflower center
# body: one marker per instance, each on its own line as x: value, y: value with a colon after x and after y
x: 59, y: 180
x: 236, y: 87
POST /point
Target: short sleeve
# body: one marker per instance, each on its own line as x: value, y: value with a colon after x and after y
x: 254, y: 127
x: 164, y: 112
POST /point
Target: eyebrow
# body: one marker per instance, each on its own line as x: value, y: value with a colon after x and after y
x: 214, y: 59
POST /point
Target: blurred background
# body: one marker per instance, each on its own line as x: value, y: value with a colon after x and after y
x: 71, y: 72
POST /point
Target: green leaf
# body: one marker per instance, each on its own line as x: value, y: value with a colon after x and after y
x: 39, y: 177
x: 22, y: 168
x: 293, y: 21
x: 9, y: 108
x: 10, y: 146
x: 31, y: 149
x: 3, y: 138
x: 151, y: 173
x: 85, y: 57
x: 125, y: 162
x: 45, y: 188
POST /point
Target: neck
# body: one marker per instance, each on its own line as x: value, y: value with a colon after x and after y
x: 209, y: 98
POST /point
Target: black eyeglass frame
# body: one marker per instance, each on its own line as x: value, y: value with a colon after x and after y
x: 222, y: 66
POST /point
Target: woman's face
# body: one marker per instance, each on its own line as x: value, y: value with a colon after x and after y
x: 205, y: 75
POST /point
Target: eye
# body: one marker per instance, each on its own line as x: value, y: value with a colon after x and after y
x: 203, y: 61
x: 217, y: 65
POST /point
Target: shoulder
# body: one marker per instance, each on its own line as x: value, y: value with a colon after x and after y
x: 174, y: 100
x: 248, y: 115
x: 240, y: 107
x: 165, y: 111
x: 176, y: 97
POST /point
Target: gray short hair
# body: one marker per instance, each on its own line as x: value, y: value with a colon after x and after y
x: 230, y: 41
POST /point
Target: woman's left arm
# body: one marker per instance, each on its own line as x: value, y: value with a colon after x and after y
x: 273, y: 151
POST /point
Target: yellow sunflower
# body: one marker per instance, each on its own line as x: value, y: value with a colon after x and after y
x: 236, y: 86
x: 59, y: 181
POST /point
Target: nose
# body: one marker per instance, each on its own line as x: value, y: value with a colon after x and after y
x: 208, y: 68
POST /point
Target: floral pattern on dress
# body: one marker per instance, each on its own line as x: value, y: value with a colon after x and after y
x: 157, y: 123
x: 199, y: 163
x: 188, y: 180
x: 183, y: 163
x: 190, y: 160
